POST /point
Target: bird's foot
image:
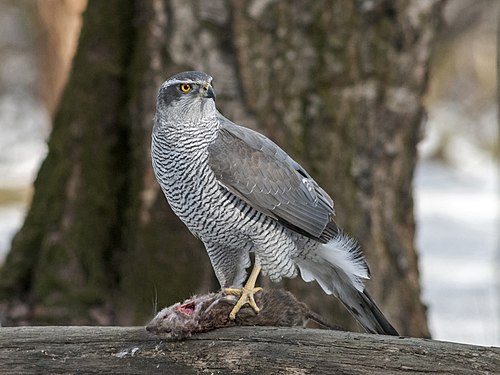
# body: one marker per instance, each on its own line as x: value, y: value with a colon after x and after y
x: 246, y: 295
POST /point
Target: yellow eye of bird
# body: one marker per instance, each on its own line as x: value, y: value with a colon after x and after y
x: 185, y: 87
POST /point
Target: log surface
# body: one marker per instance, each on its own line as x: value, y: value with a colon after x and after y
x: 239, y: 350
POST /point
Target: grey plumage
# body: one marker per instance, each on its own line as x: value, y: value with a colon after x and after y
x: 240, y: 193
x: 264, y: 176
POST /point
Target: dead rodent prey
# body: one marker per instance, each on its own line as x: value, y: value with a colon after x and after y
x: 202, y: 313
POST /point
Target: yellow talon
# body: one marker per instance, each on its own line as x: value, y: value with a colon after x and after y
x: 246, y: 293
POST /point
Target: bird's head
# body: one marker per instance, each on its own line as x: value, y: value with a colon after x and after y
x: 187, y: 95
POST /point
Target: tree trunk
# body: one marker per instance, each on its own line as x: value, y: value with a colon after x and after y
x: 60, y: 24
x: 249, y: 350
x: 337, y: 84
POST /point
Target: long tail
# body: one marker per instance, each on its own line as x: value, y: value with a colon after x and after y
x: 340, y: 269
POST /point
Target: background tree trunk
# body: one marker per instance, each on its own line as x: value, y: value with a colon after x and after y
x: 60, y: 24
x: 336, y: 84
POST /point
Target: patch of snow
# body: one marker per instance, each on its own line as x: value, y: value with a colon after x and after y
x: 11, y: 219
x: 24, y: 126
x: 457, y: 238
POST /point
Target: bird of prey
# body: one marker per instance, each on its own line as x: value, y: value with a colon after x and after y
x: 240, y: 193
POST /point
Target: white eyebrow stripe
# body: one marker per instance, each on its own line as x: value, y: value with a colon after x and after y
x: 177, y: 81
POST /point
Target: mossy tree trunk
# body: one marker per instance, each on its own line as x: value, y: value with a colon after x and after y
x: 337, y: 83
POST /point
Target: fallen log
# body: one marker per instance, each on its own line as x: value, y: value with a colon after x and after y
x: 238, y: 350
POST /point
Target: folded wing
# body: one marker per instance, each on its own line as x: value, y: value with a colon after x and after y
x: 259, y: 172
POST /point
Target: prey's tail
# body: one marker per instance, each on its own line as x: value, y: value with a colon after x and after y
x: 340, y: 269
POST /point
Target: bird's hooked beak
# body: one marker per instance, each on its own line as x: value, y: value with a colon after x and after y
x: 208, y: 91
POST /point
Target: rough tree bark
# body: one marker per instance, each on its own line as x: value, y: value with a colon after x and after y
x: 338, y: 84
x: 249, y: 350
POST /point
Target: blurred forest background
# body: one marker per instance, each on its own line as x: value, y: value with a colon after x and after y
x: 456, y: 181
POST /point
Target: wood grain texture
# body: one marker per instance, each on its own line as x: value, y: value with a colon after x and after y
x: 242, y: 350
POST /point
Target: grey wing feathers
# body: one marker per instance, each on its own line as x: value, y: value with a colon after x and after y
x: 262, y: 174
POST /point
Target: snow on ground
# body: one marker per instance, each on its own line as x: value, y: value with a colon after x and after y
x: 11, y: 219
x: 457, y: 238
